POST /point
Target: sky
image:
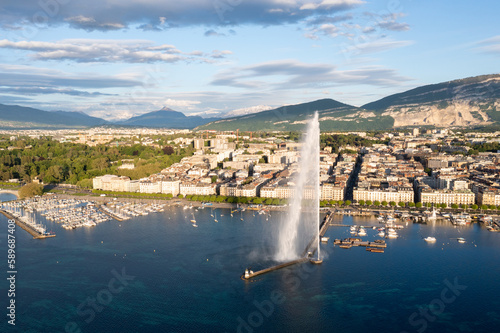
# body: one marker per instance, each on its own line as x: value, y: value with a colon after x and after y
x: 114, y: 59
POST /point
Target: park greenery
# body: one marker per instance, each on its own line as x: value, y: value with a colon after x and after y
x: 77, y: 164
x: 30, y: 190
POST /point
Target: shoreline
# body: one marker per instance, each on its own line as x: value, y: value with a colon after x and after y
x: 349, y: 210
x: 14, y: 192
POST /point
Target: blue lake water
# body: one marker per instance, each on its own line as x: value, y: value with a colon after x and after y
x: 159, y: 274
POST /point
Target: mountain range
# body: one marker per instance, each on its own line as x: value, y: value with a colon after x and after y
x: 468, y: 102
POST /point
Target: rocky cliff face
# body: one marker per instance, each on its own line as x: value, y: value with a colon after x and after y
x: 456, y: 113
x: 466, y: 102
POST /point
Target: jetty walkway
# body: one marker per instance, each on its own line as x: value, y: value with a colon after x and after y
x: 32, y: 231
x: 305, y: 255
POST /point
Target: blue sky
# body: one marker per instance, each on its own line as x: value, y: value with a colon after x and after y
x: 114, y: 59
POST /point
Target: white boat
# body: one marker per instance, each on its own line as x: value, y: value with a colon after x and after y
x: 193, y: 220
x: 430, y: 239
x: 381, y: 234
x: 461, y: 240
x: 362, y: 232
x: 391, y: 233
x: 325, y: 239
x: 195, y: 225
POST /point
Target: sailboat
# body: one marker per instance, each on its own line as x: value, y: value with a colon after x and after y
x: 215, y: 218
x: 241, y: 218
x: 193, y: 220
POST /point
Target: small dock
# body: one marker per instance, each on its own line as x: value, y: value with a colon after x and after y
x: 350, y: 242
x: 35, y: 233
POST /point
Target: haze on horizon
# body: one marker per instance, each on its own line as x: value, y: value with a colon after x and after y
x: 209, y: 57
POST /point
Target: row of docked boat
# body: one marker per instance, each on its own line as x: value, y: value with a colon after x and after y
x: 126, y: 210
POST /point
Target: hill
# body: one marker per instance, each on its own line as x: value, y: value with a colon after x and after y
x: 19, y: 117
x: 167, y: 118
x: 334, y: 116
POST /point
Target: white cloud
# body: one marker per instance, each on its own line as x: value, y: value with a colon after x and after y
x: 293, y: 74
x: 374, y: 46
x: 180, y: 103
x: 490, y: 45
x: 328, y: 4
x: 100, y: 50
x: 103, y: 15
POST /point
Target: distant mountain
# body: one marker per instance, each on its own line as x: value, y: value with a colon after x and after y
x: 334, y: 116
x: 467, y: 102
x: 167, y: 118
x: 14, y: 116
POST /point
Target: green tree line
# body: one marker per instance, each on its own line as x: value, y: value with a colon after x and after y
x: 56, y: 162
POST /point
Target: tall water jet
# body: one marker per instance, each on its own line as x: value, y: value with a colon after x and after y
x: 301, y: 223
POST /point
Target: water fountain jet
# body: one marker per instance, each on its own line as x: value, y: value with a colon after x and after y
x: 301, y: 223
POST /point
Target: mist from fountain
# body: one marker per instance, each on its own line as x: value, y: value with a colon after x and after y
x: 301, y: 223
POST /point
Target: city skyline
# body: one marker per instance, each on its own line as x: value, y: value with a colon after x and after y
x: 208, y: 58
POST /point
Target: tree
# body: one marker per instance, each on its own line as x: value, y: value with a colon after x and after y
x: 483, y: 207
x: 333, y: 202
x: 348, y: 202
x: 214, y: 179
x: 268, y: 201
x: 85, y: 183
x: 384, y: 203
x: 30, y: 190
x: 377, y: 203
x: 418, y: 205
x: 392, y: 203
x: 257, y: 201
x: 100, y: 163
x: 443, y: 205
x: 401, y: 204
x: 340, y: 202
x: 369, y: 202
x: 276, y: 201
x: 474, y: 206
x: 53, y: 175
x: 492, y: 207
x: 463, y: 206
x: 168, y: 150
x: 180, y: 196
x: 454, y: 206
x: 361, y: 202
x: 411, y: 204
